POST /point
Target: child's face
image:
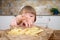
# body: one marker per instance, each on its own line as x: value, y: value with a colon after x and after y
x: 29, y: 16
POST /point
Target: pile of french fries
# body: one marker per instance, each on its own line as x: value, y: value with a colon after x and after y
x: 27, y: 31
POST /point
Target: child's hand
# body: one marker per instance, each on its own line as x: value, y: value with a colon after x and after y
x: 26, y: 23
x: 20, y: 19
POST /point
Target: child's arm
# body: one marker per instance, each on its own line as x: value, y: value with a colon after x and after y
x: 13, y: 22
x: 16, y: 21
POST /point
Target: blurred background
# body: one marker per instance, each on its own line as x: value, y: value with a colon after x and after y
x: 42, y: 7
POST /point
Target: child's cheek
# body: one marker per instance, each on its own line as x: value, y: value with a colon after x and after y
x: 32, y: 19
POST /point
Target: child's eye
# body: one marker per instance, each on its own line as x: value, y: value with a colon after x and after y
x: 31, y: 16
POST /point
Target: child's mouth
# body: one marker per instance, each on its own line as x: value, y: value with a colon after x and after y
x: 23, y: 24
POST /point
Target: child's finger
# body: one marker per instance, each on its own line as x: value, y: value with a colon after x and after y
x: 26, y: 25
x: 30, y: 23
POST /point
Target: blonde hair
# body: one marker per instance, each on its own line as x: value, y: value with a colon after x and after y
x: 28, y: 9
